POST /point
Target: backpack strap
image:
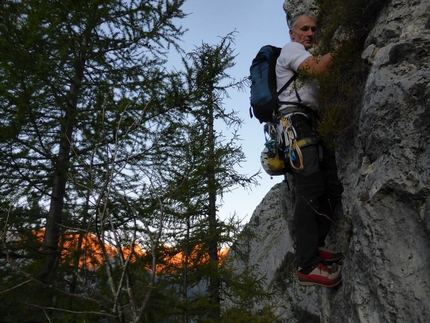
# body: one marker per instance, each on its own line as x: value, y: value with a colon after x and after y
x: 292, y: 79
x: 284, y: 87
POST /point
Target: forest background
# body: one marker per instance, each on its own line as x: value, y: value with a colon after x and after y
x: 115, y: 161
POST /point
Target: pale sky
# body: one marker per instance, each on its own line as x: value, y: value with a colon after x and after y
x: 258, y: 23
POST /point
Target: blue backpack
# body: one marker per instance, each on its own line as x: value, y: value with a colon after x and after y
x: 264, y: 96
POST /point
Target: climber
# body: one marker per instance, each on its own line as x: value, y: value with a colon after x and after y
x: 317, y: 186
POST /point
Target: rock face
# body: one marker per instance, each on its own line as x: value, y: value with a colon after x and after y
x: 384, y: 165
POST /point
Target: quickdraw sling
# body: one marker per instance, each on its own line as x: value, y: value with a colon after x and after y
x: 293, y: 146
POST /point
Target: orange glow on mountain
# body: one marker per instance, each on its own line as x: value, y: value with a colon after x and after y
x: 87, y: 251
x: 90, y: 251
x: 175, y: 260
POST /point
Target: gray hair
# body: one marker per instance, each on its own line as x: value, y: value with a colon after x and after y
x: 292, y: 18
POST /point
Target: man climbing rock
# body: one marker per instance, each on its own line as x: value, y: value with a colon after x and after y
x: 314, y: 168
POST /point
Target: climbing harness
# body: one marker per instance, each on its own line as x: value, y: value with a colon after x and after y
x: 282, y: 146
x: 292, y: 150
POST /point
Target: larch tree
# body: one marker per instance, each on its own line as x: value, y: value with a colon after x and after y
x: 212, y: 154
x: 111, y: 165
x: 84, y: 94
x: 65, y: 65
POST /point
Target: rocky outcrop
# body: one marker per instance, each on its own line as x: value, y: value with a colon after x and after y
x: 384, y: 165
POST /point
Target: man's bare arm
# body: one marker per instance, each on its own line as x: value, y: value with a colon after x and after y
x: 314, y: 66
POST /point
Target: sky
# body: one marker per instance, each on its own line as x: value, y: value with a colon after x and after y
x: 257, y: 23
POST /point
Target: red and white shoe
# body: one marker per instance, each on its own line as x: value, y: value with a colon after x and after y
x: 320, y: 275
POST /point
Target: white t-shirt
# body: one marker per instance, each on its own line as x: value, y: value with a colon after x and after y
x: 292, y: 55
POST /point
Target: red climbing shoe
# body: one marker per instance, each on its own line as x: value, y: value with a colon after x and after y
x: 321, y: 275
x: 330, y: 256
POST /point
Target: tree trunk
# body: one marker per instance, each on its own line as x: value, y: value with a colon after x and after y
x: 50, y: 248
x: 214, y: 282
x: 54, y: 218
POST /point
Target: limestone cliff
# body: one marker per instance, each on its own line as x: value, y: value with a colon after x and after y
x: 384, y: 165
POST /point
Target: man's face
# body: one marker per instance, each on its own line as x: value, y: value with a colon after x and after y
x: 303, y: 31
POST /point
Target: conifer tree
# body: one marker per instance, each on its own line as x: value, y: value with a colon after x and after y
x: 110, y: 165
x: 84, y: 96
x: 63, y: 63
x: 211, y: 151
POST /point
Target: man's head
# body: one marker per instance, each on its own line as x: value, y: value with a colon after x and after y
x: 303, y: 26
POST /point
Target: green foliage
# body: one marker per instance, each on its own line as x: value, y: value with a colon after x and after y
x: 345, y: 24
x: 244, y: 290
x: 353, y: 17
x: 200, y: 170
x: 82, y: 86
x: 100, y: 140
